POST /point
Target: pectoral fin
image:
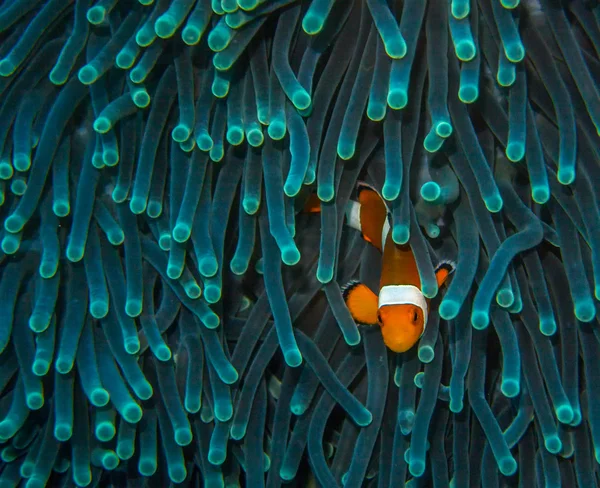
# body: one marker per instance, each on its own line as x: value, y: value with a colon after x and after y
x: 443, y: 271
x: 361, y: 302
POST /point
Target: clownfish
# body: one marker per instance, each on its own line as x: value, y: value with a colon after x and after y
x: 400, y: 309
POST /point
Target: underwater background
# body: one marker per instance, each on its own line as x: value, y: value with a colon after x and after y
x: 170, y: 315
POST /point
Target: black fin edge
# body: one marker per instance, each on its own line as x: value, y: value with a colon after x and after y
x: 446, y: 264
x: 348, y: 287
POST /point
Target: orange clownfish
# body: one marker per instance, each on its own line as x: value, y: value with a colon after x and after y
x: 401, y: 309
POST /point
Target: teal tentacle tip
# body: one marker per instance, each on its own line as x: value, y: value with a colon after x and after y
x: 9, y: 245
x: 443, y: 129
x: 298, y: 407
x: 565, y: 414
x: 346, y: 149
x: 448, y: 309
x: 312, y: 24
x: 365, y: 418
x: 515, y: 151
x: 63, y: 366
x: 164, y: 242
x: 204, y: 142
x: 102, y: 125
x: 515, y: 52
x: 395, y: 48
x: 416, y: 467
x: 480, y: 319
x: 40, y: 367
x: 290, y: 256
x: 182, y: 232
x: 154, y: 209
x: 223, y: 413
x: 325, y: 192
x: 468, y: 93
x: 352, y: 338
x: 390, y: 191
x: 191, y: 35
x: 230, y: 375
x: 255, y: 137
x: 163, y: 353
x: 553, y: 443
x: 235, y: 136
x: 460, y: 10
x: 180, y: 133
x: 105, y: 431
x: 456, y: 405
x: 237, y: 432
x: 276, y: 130
x: 401, y: 234
x: 247, y: 4
x: 141, y: 98
x: 548, y: 326
x: 74, y: 253
x: 132, y: 413
x: 183, y: 436
x: 301, y: 99
x: 324, y: 274
x: 540, y: 194
x: 7, y: 428
x: 397, y: 98
x: 216, y: 457
x: 146, y: 467
x: 431, y: 191
x: 212, y: 293
x: 174, y: 271
x: 165, y: 26
x: 35, y: 401
x: 133, y: 307
x: 430, y: 290
x: 96, y: 15
x: 22, y: 162
x: 293, y: 358
x: 508, y: 466
x: 6, y: 170
x: 48, y: 270
x: 494, y: 203
x: 577, y: 418
x: 208, y: 266
x: 505, y: 298
x: 465, y: 50
x: 565, y: 176
x: 376, y: 112
x: 99, y: 309
x: 426, y: 354
x: 138, y: 205
x: 132, y: 345
x: 14, y: 224
x: 510, y: 387
x: 212, y: 321
x: 192, y: 290
x: 110, y: 157
x: 510, y: 4
x: 88, y: 74
x: 7, y: 67
x: 585, y: 311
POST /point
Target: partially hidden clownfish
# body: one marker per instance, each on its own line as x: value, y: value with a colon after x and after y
x: 400, y: 309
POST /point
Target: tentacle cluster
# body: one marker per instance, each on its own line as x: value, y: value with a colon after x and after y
x: 168, y: 312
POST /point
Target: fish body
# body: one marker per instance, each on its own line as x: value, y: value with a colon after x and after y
x: 400, y: 308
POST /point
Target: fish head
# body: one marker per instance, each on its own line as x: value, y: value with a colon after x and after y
x: 401, y: 325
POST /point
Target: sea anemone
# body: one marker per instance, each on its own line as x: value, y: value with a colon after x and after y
x: 171, y: 314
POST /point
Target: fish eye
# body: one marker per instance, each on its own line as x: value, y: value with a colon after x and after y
x: 379, y: 318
